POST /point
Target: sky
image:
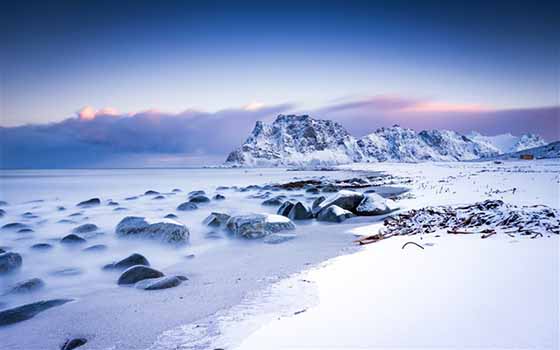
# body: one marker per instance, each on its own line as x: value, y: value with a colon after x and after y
x: 490, y: 66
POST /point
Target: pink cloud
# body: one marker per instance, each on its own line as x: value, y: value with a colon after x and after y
x: 89, y: 113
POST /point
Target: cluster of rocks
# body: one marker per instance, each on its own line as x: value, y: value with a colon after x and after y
x: 196, y: 198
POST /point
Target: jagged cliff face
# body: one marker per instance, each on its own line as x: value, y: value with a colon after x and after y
x: 292, y: 139
x: 302, y: 140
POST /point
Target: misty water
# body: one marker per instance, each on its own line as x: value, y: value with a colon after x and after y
x: 223, y: 267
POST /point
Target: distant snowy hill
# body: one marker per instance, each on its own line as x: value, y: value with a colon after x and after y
x: 551, y: 150
x: 508, y: 143
x: 301, y: 140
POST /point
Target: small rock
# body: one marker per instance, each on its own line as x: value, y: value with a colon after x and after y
x: 113, y: 204
x: 25, y: 312
x: 131, y: 198
x: 171, y: 216
x: 275, y: 201
x: 71, y: 344
x: 10, y: 262
x: 29, y: 215
x: 89, y: 203
x: 330, y: 188
x: 196, y: 193
x: 221, y: 188
x: 176, y: 190
x: 134, y: 259
x: 159, y: 283
x: 60, y: 208
x: 41, y: 246
x: 219, y: 197
x: 315, y: 206
x: 216, y: 219
x: 27, y: 286
x: 374, y: 204
x: 138, y: 273
x: 120, y: 209
x: 75, y: 214
x: 334, y: 213
x: 66, y: 221
x: 25, y: 230
x: 96, y: 248
x: 160, y: 197
x: 285, y: 208
x: 165, y: 230
x: 72, y: 239
x: 199, y: 199
x: 3, y: 203
x: 85, y: 228
x: 312, y: 190
x: 151, y: 193
x: 69, y: 271
x: 14, y: 226
x: 300, y: 211
x: 187, y: 206
x: 2, y: 212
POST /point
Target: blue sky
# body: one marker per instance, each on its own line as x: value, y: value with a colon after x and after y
x: 454, y: 59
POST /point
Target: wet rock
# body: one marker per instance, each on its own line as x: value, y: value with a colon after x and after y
x: 3, y: 203
x: 10, y: 262
x: 176, y: 190
x: 134, y: 259
x: 374, y: 204
x: 151, y: 193
x: 14, y: 226
x: 25, y: 312
x: 164, y: 230
x: 131, y: 198
x: 277, y: 238
x: 29, y: 215
x: 285, y: 208
x: 312, y: 190
x: 72, y: 239
x: 120, y: 209
x: 187, y: 206
x: 196, y: 193
x: 85, y: 228
x: 221, y: 188
x: 75, y: 214
x: 2, y: 213
x: 199, y: 199
x: 138, y: 273
x: 348, y: 200
x: 113, y: 204
x: 218, y: 197
x: 96, y: 248
x: 159, y: 197
x: 334, y: 213
x: 27, y: 286
x: 171, y: 216
x: 66, y: 272
x: 2, y: 250
x: 216, y: 219
x: 60, y: 208
x: 41, y: 246
x: 25, y: 230
x: 315, y: 206
x: 89, y: 203
x: 275, y: 201
x: 330, y: 188
x: 213, y: 235
x: 300, y: 211
x: 72, y: 344
x: 66, y: 221
x: 190, y: 256
x: 258, y: 225
x: 159, y: 283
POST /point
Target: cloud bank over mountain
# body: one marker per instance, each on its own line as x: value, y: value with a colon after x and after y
x: 108, y: 138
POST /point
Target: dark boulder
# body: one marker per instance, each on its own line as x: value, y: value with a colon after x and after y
x: 199, y: 199
x: 334, y: 213
x: 74, y: 343
x: 219, y: 197
x: 85, y: 228
x: 164, y: 230
x: 187, y: 206
x: 25, y: 312
x: 138, y: 273
x: 10, y: 262
x: 132, y: 260
x: 41, y: 246
x: 89, y: 203
x: 159, y: 283
x: 27, y: 286
x: 72, y: 239
x: 285, y: 208
x: 300, y: 211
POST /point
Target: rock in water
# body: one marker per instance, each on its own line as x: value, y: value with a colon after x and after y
x: 72, y: 344
x: 96, y: 248
x: 165, y: 230
x: 300, y: 211
x: 85, y: 228
x: 315, y: 205
x: 374, y: 204
x: 41, y: 246
x: 272, y: 201
x: 216, y: 219
x: 10, y: 262
x: 285, y: 208
x: 25, y: 312
x: 89, y: 203
x: 72, y: 239
x: 219, y: 197
x: 258, y: 225
x: 199, y: 199
x: 348, y: 200
x: 159, y: 283
x: 151, y: 193
x: 196, y: 193
x: 14, y: 226
x: 134, y: 259
x: 27, y: 286
x: 334, y: 213
x: 187, y: 206
x: 138, y: 273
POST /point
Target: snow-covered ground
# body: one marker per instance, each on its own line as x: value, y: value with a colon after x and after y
x: 459, y: 292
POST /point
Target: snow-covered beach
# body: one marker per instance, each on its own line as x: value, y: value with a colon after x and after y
x: 245, y: 293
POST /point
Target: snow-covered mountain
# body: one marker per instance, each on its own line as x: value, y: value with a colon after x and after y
x: 302, y: 140
x: 508, y: 143
x: 297, y: 139
x: 551, y: 150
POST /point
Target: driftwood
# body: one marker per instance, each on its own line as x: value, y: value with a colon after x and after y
x: 413, y: 243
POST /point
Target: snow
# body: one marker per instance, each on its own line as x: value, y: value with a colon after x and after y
x: 508, y: 143
x: 277, y: 219
x: 460, y: 291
